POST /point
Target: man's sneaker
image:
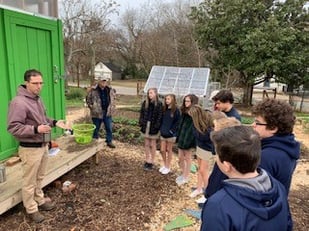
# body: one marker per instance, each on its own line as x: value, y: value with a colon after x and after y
x: 111, y: 145
x: 47, y: 206
x: 36, y: 217
x: 196, y: 192
x: 165, y: 171
x: 201, y: 200
x: 161, y: 169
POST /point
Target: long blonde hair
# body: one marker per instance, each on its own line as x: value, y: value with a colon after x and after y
x: 147, y: 101
x: 202, y: 119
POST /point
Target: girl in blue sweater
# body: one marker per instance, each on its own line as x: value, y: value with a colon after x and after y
x: 170, y: 119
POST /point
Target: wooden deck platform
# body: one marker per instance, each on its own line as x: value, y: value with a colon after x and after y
x: 70, y: 155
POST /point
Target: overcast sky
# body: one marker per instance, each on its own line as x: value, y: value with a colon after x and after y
x: 137, y: 4
x: 134, y: 4
x: 125, y: 4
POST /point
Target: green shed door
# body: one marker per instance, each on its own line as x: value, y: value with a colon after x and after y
x: 34, y: 42
x: 33, y: 50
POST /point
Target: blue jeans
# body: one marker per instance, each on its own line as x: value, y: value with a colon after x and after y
x: 107, y: 120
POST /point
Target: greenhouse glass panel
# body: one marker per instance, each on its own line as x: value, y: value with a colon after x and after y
x: 179, y: 80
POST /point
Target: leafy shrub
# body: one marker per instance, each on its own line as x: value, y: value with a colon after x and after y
x: 125, y: 132
x: 123, y: 120
x: 76, y: 93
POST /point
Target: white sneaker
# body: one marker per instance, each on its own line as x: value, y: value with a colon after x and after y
x: 165, y: 171
x: 201, y: 200
x: 161, y: 169
x: 179, y: 178
x: 196, y: 192
x: 183, y: 181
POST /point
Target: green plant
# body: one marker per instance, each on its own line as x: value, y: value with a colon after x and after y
x: 123, y: 120
x: 247, y: 120
x: 302, y: 114
x: 76, y: 94
x: 133, y: 122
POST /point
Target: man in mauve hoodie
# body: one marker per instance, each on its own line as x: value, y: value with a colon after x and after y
x: 28, y: 123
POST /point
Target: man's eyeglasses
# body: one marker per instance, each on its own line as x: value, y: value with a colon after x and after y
x: 37, y: 83
x: 259, y: 123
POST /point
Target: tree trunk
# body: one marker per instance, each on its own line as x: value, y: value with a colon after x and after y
x: 92, y: 64
x: 247, y: 98
x: 248, y: 91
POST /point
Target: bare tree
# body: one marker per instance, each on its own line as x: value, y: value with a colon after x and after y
x: 84, y: 23
x: 158, y: 34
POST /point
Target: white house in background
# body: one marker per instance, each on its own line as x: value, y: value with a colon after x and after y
x: 270, y: 84
x: 107, y: 70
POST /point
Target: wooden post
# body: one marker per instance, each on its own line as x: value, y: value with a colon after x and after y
x: 265, y: 94
x: 96, y: 157
x: 275, y: 93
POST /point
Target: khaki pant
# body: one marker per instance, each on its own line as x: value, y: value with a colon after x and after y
x: 34, y: 162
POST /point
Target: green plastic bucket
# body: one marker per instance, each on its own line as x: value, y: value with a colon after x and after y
x: 83, y: 133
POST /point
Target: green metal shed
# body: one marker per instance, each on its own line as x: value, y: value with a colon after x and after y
x: 29, y: 41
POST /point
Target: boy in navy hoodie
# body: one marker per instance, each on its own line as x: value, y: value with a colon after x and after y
x: 274, y: 121
x: 250, y: 199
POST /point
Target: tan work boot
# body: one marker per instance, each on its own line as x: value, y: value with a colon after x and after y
x: 37, y: 217
x: 47, y: 206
